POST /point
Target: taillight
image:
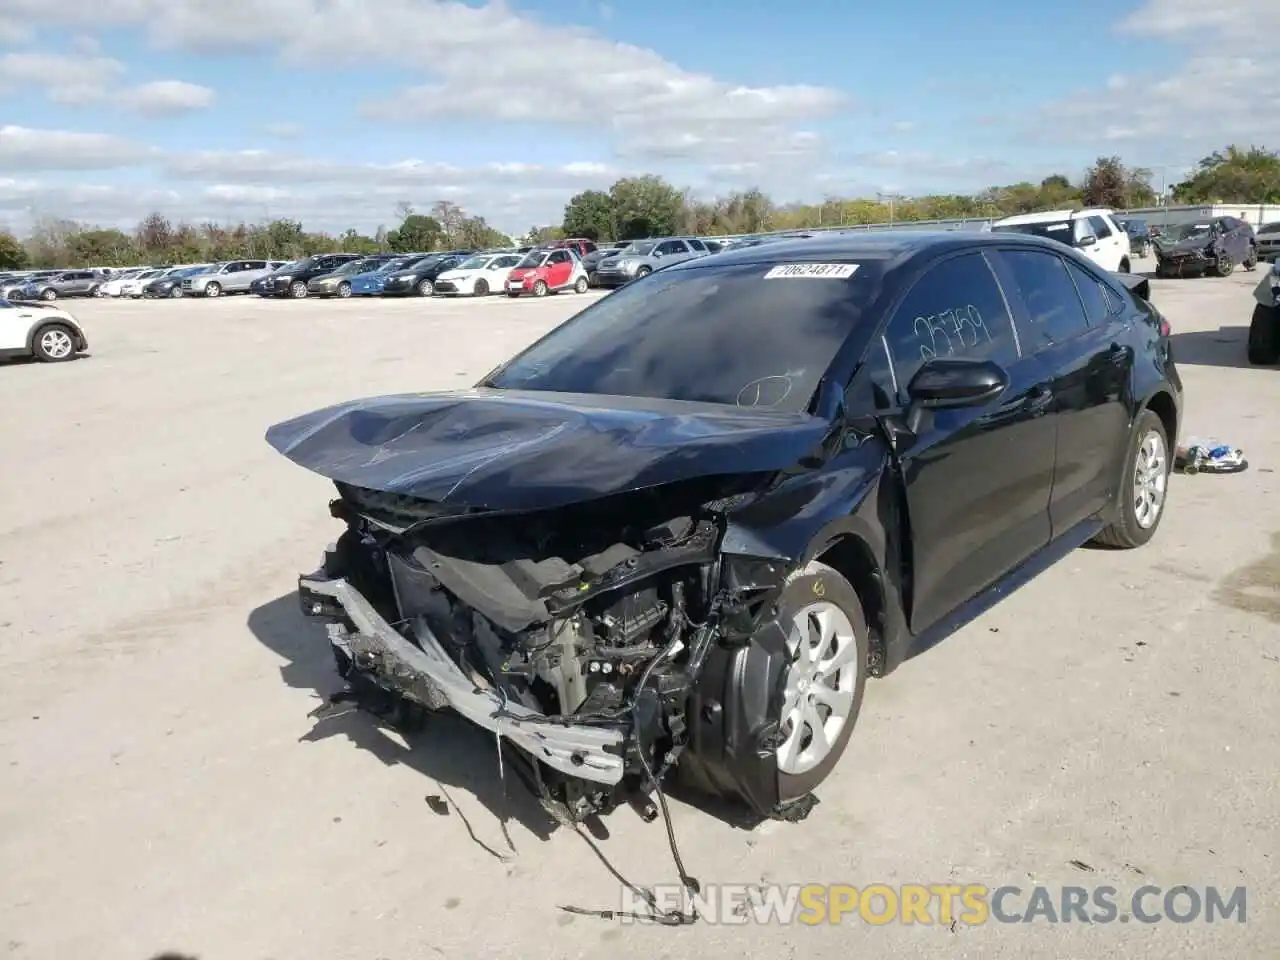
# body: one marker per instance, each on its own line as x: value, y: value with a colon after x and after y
x: 1165, y: 329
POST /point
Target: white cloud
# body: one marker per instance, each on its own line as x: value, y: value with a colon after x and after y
x: 1217, y: 93
x: 1252, y: 22
x: 486, y: 61
x: 168, y: 98
x: 24, y: 150
x: 65, y: 79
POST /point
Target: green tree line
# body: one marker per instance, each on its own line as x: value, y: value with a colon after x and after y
x: 55, y: 242
x: 638, y: 207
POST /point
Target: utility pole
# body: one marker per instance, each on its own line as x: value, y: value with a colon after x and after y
x: 891, y: 199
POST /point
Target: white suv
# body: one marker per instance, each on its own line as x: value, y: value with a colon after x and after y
x: 1094, y: 233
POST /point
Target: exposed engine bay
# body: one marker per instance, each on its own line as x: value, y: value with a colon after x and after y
x: 608, y: 640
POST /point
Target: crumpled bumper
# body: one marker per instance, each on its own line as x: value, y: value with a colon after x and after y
x: 426, y: 675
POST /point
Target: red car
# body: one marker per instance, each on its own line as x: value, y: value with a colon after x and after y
x: 547, y: 271
x: 579, y: 245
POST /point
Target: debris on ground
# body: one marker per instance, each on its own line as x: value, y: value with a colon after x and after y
x: 1198, y: 455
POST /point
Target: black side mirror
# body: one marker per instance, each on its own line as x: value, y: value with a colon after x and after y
x: 951, y: 384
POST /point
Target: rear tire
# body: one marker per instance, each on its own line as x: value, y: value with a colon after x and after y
x: 1124, y: 265
x: 1251, y: 259
x: 581, y: 285
x: 49, y: 295
x: 818, y: 596
x: 1147, y: 466
x: 540, y: 289
x: 54, y: 343
x: 1264, y: 336
x: 512, y: 294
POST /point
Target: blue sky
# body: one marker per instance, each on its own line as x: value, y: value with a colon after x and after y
x: 336, y: 111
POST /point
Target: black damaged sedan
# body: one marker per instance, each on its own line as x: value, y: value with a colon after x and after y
x: 672, y: 539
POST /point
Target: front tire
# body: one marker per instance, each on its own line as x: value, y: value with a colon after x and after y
x: 540, y: 289
x: 176, y: 293
x: 344, y: 290
x: 213, y: 290
x: 824, y: 685
x: 1144, y: 486
x: 49, y: 295
x: 1225, y: 265
x: 297, y: 290
x: 426, y: 288
x: 54, y: 343
x: 643, y: 272
x: 1264, y: 336
x: 481, y: 289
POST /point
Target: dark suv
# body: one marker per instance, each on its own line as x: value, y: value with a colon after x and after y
x: 1139, y: 232
x: 1214, y: 245
x: 419, y: 279
x: 291, y: 279
x: 631, y: 553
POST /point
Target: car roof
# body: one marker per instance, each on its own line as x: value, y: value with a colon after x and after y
x: 865, y: 245
x: 1046, y: 216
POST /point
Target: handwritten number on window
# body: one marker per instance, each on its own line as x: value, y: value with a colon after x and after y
x: 941, y: 334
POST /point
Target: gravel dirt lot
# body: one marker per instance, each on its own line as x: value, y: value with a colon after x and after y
x: 163, y: 785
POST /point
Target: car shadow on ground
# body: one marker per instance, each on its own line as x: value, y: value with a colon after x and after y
x: 1224, y: 347
x: 449, y: 752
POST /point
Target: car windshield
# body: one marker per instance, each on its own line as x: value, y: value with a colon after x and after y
x: 1059, y: 230
x: 664, y: 337
x: 534, y: 259
x: 299, y: 265
x: 355, y: 266
x: 192, y: 271
x: 638, y: 249
x: 393, y: 265
x: 475, y: 263
x: 290, y: 266
x: 1193, y: 231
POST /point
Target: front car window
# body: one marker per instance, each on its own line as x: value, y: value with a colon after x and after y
x: 534, y: 259
x: 956, y: 310
x: 664, y: 337
x: 475, y: 263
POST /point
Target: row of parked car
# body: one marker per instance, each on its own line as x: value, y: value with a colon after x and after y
x: 575, y: 264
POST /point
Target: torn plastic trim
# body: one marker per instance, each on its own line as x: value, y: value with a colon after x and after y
x: 591, y: 753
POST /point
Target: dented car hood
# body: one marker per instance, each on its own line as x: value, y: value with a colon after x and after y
x: 522, y: 450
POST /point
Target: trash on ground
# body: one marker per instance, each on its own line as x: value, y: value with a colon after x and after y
x: 1199, y: 455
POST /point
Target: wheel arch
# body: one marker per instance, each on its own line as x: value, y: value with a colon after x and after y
x: 851, y: 556
x: 1161, y: 403
x: 45, y: 322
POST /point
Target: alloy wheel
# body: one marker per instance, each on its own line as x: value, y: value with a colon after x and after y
x: 819, y: 687
x: 1150, y: 479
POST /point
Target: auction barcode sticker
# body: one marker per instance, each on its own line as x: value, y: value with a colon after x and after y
x: 812, y: 271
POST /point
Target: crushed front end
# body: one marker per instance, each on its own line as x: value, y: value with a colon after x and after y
x: 602, y: 640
